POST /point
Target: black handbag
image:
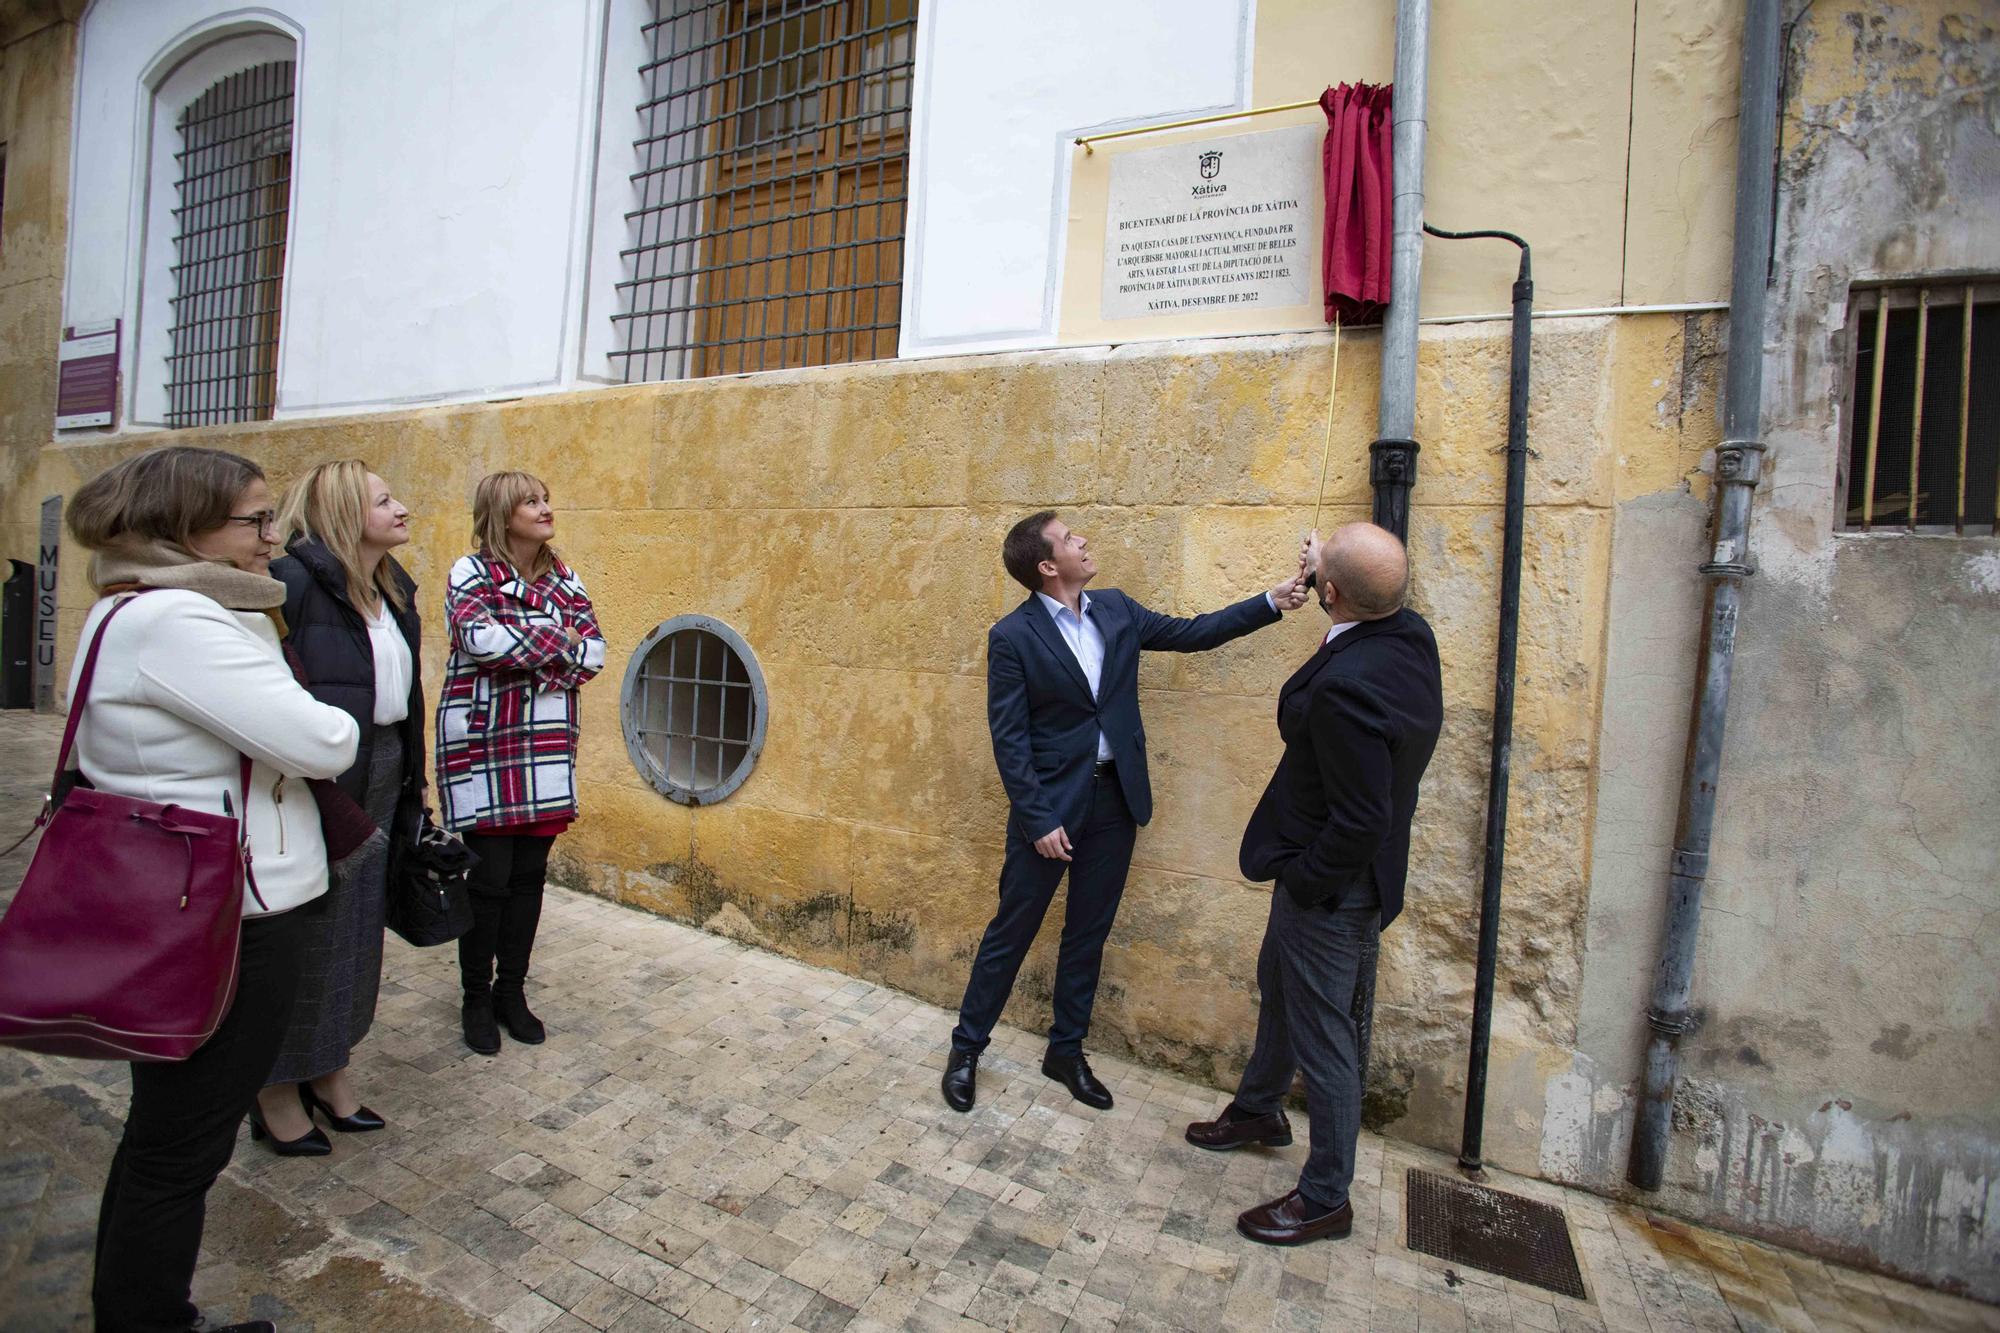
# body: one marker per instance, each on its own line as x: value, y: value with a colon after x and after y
x: 428, y: 901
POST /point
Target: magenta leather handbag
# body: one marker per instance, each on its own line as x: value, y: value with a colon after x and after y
x: 122, y: 942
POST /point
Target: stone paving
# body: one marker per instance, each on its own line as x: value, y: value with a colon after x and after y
x: 719, y: 1138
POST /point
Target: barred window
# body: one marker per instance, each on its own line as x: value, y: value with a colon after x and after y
x: 771, y: 190
x: 234, y: 191
x: 693, y: 709
x: 1923, y: 441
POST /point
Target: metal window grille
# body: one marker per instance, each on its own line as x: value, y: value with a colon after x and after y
x: 694, y: 709
x: 235, y: 169
x: 773, y: 156
x: 1923, y: 445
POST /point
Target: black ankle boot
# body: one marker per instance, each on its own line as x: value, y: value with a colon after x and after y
x: 477, y: 1019
x: 511, y: 1008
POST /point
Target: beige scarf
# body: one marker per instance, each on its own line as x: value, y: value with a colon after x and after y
x: 159, y: 564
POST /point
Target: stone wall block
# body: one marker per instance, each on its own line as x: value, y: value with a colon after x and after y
x: 913, y: 753
x: 36, y: 74
x: 636, y: 830
x: 921, y: 903
x: 879, y: 438
x: 1044, y: 440
x: 1246, y: 427
x: 1210, y: 757
x: 716, y: 446
x: 1186, y: 944
x: 772, y: 878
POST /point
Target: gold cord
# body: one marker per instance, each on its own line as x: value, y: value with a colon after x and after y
x: 1326, y: 447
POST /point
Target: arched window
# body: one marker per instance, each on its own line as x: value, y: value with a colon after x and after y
x: 216, y: 198
x: 233, y: 173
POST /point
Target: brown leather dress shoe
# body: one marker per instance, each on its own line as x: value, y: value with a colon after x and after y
x: 1286, y: 1221
x: 1233, y: 1129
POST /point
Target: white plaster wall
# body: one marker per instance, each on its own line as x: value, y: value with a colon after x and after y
x: 1001, y: 90
x: 442, y: 165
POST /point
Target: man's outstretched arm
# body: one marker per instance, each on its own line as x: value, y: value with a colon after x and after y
x: 1198, y: 634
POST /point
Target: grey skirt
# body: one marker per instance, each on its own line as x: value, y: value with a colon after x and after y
x: 340, y: 968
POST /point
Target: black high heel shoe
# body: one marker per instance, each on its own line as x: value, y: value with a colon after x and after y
x: 362, y: 1121
x: 312, y: 1143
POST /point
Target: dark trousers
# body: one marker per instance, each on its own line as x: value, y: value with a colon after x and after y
x: 180, y: 1133
x: 1305, y: 1023
x: 506, y: 892
x: 1101, y: 853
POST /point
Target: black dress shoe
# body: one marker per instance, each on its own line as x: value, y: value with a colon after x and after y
x: 482, y: 1034
x: 1233, y: 1128
x: 312, y: 1143
x: 362, y: 1121
x: 1073, y: 1072
x: 1290, y: 1220
x: 961, y: 1073
x: 511, y: 1008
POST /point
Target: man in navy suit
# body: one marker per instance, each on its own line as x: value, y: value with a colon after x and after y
x: 1359, y: 721
x: 1062, y: 701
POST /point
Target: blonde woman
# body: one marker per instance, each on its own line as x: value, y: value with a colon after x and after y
x: 523, y: 639
x: 190, y: 681
x: 352, y: 628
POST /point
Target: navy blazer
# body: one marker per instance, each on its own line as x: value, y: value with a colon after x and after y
x: 1045, y: 723
x: 1359, y: 721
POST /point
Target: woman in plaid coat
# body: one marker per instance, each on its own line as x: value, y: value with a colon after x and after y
x: 523, y: 638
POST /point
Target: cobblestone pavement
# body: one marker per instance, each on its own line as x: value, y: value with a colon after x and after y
x: 719, y: 1138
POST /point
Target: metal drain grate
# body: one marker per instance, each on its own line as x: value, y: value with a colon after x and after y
x: 1490, y: 1231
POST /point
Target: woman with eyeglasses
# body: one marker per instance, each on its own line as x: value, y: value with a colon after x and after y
x: 523, y: 639
x: 190, y: 680
x: 352, y: 628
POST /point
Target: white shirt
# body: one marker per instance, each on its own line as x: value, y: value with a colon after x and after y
x: 1337, y: 631
x: 1087, y: 642
x: 393, y: 667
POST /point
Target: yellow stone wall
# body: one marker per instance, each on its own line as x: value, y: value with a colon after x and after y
x: 36, y: 77
x: 847, y: 522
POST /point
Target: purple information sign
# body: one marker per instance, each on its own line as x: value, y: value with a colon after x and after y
x: 87, y: 376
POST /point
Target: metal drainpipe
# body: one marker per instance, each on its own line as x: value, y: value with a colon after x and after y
x: 1393, y: 462
x: 1393, y: 456
x: 1500, y: 770
x: 1739, y: 462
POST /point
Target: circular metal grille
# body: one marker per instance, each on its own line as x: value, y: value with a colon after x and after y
x: 693, y: 709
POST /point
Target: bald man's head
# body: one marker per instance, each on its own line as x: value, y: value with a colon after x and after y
x: 1367, y: 568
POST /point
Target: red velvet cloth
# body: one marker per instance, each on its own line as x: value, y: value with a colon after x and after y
x: 1358, y: 156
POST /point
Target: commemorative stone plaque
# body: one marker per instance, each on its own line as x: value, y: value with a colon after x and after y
x: 1217, y: 224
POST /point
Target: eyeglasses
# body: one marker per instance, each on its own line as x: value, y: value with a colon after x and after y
x: 264, y: 520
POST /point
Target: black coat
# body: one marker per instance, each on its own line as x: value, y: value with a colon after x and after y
x: 1042, y: 716
x: 329, y: 635
x: 1359, y: 721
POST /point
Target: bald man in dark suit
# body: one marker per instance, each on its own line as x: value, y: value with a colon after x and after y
x: 1359, y: 720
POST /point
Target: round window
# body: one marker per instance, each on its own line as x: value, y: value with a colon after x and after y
x: 693, y: 709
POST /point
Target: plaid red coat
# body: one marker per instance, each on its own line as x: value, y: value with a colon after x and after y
x: 507, y: 716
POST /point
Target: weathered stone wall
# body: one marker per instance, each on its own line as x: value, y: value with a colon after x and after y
x: 37, y: 70
x: 1840, y: 1092
x: 847, y: 522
